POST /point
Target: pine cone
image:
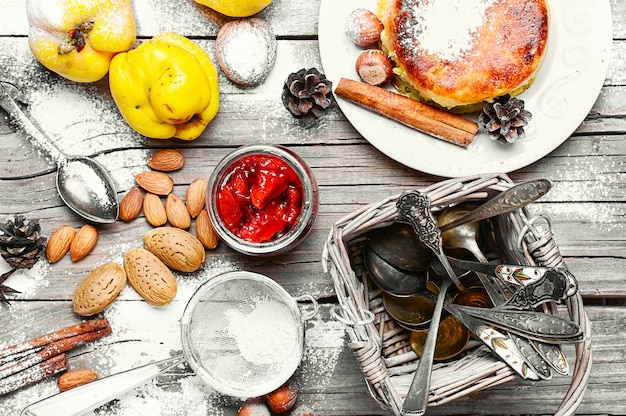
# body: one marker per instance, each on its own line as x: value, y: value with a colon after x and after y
x: 20, y: 243
x: 307, y: 93
x: 505, y: 119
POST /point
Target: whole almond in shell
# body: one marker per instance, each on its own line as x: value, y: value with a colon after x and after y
x: 158, y: 183
x: 131, y: 204
x: 196, y: 196
x: 150, y: 277
x: 75, y: 378
x: 99, y: 289
x: 167, y: 160
x: 176, y: 212
x: 177, y: 248
x: 205, y: 231
x: 154, y: 210
x: 59, y: 243
x: 83, y: 242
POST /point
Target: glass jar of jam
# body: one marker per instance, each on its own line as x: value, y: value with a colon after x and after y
x: 262, y: 199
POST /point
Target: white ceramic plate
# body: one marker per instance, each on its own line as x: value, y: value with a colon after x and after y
x: 566, y: 87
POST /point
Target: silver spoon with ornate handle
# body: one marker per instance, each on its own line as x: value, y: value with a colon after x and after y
x: 531, y: 357
x: 537, y: 354
x: 414, y: 207
x: 543, y: 327
x: 543, y: 284
x: 494, y: 338
x: 509, y: 200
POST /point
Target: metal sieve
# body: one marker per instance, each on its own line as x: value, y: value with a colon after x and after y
x: 242, y: 333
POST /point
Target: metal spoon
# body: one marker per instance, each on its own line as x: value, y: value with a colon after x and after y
x: 83, y: 184
x: 539, y: 285
x: 391, y: 279
x: 385, y: 274
x: 506, y: 201
x: 414, y: 207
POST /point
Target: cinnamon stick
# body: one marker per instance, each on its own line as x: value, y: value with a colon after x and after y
x: 70, y: 331
x: 51, y: 350
x: 433, y: 121
x: 34, y: 374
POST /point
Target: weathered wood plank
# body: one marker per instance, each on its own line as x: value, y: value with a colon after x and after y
x: 328, y: 376
x: 187, y: 18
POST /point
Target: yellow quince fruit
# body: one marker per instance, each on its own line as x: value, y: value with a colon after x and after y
x: 165, y: 87
x: 236, y: 8
x: 78, y: 38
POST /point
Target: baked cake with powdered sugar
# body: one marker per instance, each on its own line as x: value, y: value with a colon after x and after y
x: 460, y: 53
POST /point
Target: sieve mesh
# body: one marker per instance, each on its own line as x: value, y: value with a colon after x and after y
x: 242, y: 333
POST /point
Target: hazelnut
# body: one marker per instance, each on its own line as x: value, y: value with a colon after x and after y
x: 283, y: 398
x: 374, y: 67
x: 254, y: 407
x: 363, y: 27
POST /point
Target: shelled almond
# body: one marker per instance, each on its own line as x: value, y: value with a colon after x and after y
x: 167, y: 160
x: 176, y: 212
x: 75, y: 378
x: 196, y: 196
x: 158, y: 183
x: 131, y: 205
x: 205, y: 231
x: 154, y: 210
x: 59, y: 243
x: 83, y: 242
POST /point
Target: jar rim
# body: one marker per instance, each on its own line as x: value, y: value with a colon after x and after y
x: 309, y: 200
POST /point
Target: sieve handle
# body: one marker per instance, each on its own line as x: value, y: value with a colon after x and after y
x: 316, y: 306
x: 80, y: 400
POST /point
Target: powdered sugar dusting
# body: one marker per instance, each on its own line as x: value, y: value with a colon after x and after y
x: 577, y: 187
x: 246, y: 50
x: 443, y: 27
x: 324, y: 343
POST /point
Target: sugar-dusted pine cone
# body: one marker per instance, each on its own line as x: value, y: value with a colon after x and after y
x: 307, y: 93
x: 20, y: 242
x: 505, y: 119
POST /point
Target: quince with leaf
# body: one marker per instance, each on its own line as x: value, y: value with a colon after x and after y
x: 77, y: 39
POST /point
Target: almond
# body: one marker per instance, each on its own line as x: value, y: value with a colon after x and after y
x: 154, y: 210
x: 177, y: 248
x: 99, y: 289
x: 59, y: 243
x: 75, y: 378
x: 83, y: 242
x: 158, y: 183
x: 205, y: 231
x: 131, y: 204
x: 167, y: 160
x: 150, y: 277
x: 176, y: 212
x: 196, y: 196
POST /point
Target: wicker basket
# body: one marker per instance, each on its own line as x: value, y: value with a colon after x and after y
x: 382, y: 347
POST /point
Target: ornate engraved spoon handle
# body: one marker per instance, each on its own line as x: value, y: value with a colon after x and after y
x: 414, y: 207
x: 531, y: 324
x: 513, y: 198
x: 554, y: 285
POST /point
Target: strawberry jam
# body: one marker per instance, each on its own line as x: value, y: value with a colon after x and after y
x: 259, y: 198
